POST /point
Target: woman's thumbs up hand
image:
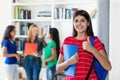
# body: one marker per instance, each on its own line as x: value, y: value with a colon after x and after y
x: 86, y: 45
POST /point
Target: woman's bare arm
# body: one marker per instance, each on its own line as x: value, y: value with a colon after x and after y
x: 62, y: 65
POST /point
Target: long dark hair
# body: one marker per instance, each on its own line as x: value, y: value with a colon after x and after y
x: 55, y: 36
x: 7, y: 32
x: 84, y: 13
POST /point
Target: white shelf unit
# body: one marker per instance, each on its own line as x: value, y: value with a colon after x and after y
x: 31, y: 20
x: 35, y: 6
x: 63, y: 25
x: 71, y: 2
x: 30, y: 4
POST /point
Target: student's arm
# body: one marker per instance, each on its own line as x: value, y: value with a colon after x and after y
x: 42, y: 39
x: 102, y: 58
x: 100, y: 55
x: 38, y: 53
x: 54, y: 55
x: 62, y: 65
x: 10, y: 55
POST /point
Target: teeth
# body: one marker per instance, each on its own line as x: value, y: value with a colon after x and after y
x: 80, y: 27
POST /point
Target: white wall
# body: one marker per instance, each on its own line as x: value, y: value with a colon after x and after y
x: 5, y: 14
x: 114, y: 35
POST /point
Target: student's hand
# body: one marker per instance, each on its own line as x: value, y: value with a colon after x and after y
x: 73, y: 60
x: 44, y: 31
x: 17, y: 56
x: 86, y: 45
x: 36, y: 54
x: 44, y: 64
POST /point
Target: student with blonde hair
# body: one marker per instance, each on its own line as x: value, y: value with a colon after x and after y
x: 33, y: 61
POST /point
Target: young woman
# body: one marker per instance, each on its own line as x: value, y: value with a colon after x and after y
x: 9, y: 51
x: 51, y: 52
x: 82, y: 32
x: 33, y: 61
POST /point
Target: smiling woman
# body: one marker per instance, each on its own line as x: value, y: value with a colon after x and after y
x: 82, y: 32
x: 9, y: 52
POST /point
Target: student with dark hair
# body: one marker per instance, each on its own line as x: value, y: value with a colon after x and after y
x: 51, y: 53
x: 82, y: 32
x: 9, y: 51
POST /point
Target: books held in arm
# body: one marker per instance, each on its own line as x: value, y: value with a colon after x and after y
x: 69, y: 50
x: 30, y: 48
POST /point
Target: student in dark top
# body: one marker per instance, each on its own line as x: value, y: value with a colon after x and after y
x: 33, y: 62
x: 9, y: 51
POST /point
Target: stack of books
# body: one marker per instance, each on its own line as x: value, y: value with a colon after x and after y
x: 19, y: 44
x: 44, y: 15
x: 22, y: 28
x: 64, y: 13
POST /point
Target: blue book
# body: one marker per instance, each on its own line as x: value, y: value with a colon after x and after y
x: 69, y: 51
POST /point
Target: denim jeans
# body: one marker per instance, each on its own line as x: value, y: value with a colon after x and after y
x: 32, y: 67
x: 50, y: 72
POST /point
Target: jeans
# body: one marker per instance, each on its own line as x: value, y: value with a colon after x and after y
x: 11, y: 72
x: 50, y: 72
x: 32, y: 67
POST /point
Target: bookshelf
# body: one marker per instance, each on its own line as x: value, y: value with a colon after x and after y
x: 69, y: 7
x: 37, y: 9
x: 60, y: 14
x: 50, y: 13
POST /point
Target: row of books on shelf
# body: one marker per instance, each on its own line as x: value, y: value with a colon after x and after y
x: 21, y: 13
x: 19, y: 44
x: 44, y: 15
x: 17, y: 1
x: 22, y: 28
x: 64, y: 13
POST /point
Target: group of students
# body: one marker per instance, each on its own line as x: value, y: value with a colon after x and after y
x: 82, y: 32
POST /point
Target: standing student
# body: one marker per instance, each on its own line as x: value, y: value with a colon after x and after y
x: 82, y: 32
x: 9, y: 52
x: 51, y: 52
x: 33, y: 61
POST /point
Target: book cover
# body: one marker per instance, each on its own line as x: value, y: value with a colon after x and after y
x: 69, y: 50
x: 30, y: 48
x: 16, y: 12
x: 60, y: 13
x: 18, y: 25
x: 55, y: 13
x: 23, y: 29
x: 63, y: 13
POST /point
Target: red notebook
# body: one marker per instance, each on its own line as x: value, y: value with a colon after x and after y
x: 30, y: 48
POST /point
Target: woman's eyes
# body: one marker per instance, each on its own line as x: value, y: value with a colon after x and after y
x: 79, y: 20
x: 76, y: 21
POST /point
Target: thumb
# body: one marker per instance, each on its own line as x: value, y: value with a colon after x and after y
x: 88, y: 39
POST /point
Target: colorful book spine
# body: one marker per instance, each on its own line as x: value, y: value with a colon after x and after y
x: 64, y: 13
x: 16, y: 12
x: 21, y: 13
